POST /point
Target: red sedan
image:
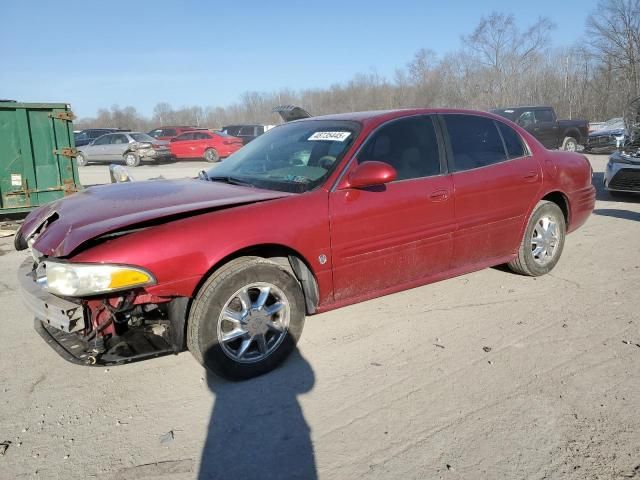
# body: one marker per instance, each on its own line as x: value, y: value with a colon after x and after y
x: 212, y: 146
x: 313, y: 215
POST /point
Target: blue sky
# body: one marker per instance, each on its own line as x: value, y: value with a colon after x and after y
x: 139, y: 53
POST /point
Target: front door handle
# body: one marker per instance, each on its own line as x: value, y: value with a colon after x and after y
x: 439, y: 195
x: 531, y: 177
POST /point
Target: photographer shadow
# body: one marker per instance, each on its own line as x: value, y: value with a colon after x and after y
x: 257, y: 429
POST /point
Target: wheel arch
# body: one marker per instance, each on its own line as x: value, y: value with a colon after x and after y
x: 573, y: 133
x: 554, y: 196
x: 282, y: 255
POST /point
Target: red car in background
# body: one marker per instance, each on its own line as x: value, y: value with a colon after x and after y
x: 171, y: 131
x: 212, y: 146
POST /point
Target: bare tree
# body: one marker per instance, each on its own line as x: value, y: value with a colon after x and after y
x: 614, y: 35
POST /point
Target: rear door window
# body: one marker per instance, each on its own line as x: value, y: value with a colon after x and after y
x: 119, y: 139
x: 475, y: 141
x: 104, y: 140
x: 512, y: 141
x: 543, y: 116
x: 184, y: 136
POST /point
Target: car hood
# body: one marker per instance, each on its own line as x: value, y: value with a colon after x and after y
x: 606, y: 132
x: 62, y: 226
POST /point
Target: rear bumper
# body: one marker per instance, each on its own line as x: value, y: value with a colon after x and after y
x: 150, y: 153
x: 581, y: 203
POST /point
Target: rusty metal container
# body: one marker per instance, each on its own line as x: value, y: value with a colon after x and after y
x: 37, y: 151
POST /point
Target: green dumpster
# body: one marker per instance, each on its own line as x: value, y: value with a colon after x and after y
x: 37, y: 151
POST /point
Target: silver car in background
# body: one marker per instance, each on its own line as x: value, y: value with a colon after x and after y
x: 622, y: 174
x: 130, y: 147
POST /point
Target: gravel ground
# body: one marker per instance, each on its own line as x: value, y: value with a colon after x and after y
x: 486, y: 376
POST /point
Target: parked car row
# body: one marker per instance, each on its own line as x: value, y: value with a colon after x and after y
x: 88, y: 135
x: 136, y: 147
x: 163, y: 143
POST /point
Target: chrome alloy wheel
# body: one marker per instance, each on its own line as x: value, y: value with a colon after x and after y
x: 253, y: 322
x: 544, y: 240
x: 210, y: 155
x: 130, y: 159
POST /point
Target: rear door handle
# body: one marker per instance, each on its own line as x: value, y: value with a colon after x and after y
x: 439, y: 196
x: 531, y: 177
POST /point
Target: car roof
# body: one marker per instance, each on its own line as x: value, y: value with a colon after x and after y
x: 190, y: 127
x: 379, y: 116
x: 199, y: 130
x: 128, y: 132
x: 528, y: 107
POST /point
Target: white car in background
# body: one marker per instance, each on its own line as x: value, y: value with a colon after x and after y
x: 622, y: 174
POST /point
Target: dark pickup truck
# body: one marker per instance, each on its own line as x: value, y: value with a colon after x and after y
x: 543, y: 124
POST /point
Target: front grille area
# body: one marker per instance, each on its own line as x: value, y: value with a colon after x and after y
x: 626, y: 179
x: 600, y: 141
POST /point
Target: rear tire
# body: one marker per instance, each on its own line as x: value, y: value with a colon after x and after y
x: 543, y: 241
x: 211, y: 155
x: 131, y: 159
x: 81, y: 160
x: 570, y: 144
x: 231, y: 328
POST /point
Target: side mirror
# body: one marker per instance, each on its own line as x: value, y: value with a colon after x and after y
x: 372, y: 173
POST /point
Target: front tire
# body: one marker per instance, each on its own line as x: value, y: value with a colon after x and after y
x: 570, y: 144
x: 131, y: 159
x: 543, y: 241
x: 81, y: 160
x: 246, y: 319
x: 211, y: 155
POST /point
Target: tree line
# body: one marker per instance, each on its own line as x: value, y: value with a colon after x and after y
x: 499, y: 64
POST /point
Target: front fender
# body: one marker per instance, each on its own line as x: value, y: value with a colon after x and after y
x: 180, y: 253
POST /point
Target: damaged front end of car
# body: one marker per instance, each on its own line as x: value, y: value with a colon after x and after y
x: 97, y: 314
x: 622, y: 173
x: 99, y: 293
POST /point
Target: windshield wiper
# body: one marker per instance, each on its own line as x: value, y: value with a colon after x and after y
x: 231, y: 181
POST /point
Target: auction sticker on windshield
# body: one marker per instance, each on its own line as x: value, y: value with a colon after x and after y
x: 331, y: 136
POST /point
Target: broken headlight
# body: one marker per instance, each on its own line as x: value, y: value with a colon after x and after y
x: 85, y: 279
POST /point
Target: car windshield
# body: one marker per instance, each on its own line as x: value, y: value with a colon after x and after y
x: 294, y: 157
x: 141, y: 137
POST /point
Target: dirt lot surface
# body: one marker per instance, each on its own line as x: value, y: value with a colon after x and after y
x: 486, y: 376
